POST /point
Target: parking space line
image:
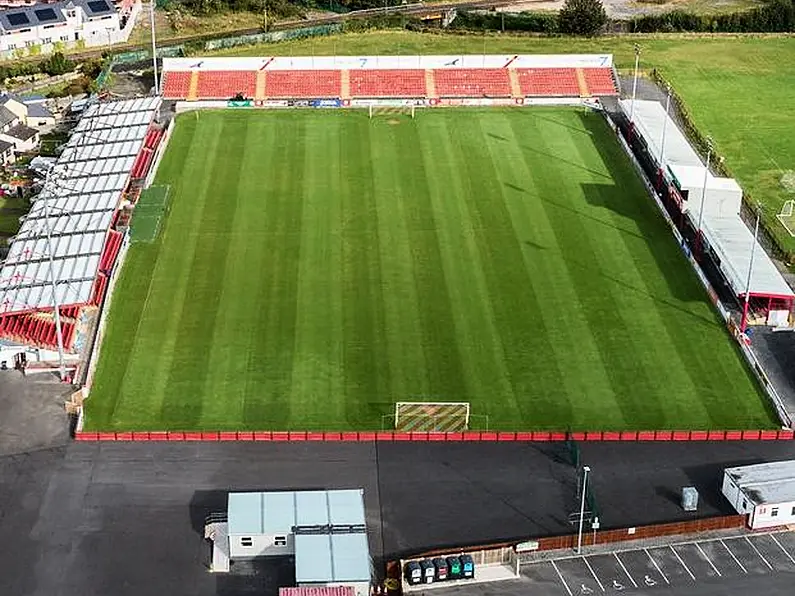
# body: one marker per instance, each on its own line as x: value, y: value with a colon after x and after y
x: 781, y: 546
x: 620, y: 562
x: 560, y: 575
x: 690, y: 573
x: 711, y: 564
x: 736, y: 560
x: 656, y: 566
x: 596, y: 577
x: 756, y: 550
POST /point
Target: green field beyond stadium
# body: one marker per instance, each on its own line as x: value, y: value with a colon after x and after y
x: 316, y: 267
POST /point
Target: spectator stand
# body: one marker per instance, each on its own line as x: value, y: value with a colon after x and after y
x: 77, y: 208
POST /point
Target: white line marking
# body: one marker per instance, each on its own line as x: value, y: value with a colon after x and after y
x: 656, y: 566
x: 756, y: 550
x: 620, y: 562
x: 711, y: 564
x: 592, y: 573
x: 560, y: 575
x: 786, y: 552
x: 736, y: 560
x: 690, y: 573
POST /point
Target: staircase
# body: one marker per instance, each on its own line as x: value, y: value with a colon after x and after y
x: 516, y: 88
x: 193, y: 90
x: 430, y: 85
x: 345, y: 80
x: 260, y: 91
x: 582, y: 84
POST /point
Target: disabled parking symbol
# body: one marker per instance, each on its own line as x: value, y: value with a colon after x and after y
x: 585, y: 589
x: 649, y: 581
x: 617, y: 586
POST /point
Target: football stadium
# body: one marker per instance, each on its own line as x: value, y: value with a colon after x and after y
x: 416, y: 243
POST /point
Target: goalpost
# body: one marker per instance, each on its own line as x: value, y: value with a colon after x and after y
x: 391, y: 111
x: 786, y: 217
x: 427, y: 416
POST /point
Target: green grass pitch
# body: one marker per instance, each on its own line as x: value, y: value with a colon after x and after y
x: 316, y: 267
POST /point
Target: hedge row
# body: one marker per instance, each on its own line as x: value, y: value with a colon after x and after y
x: 533, y: 22
x: 778, y: 16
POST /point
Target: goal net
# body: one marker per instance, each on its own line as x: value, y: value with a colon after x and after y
x: 786, y: 217
x: 391, y: 111
x: 431, y: 416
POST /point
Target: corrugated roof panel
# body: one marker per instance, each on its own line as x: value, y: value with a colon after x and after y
x: 350, y: 557
x: 346, y: 508
x: 278, y: 512
x: 313, y: 562
x: 245, y: 513
x: 311, y: 508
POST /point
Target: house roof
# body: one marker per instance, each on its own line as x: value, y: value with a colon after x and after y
x: 37, y: 110
x: 8, y: 96
x: 6, y: 116
x: 25, y: 17
x: 5, y: 146
x: 22, y: 132
x: 768, y: 483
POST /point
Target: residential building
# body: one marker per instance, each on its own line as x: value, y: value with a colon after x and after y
x: 44, y: 27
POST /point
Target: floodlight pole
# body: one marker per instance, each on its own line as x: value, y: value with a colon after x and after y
x: 585, y: 471
x: 53, y: 283
x: 665, y: 127
x: 744, y: 322
x: 152, y: 4
x: 634, y: 86
x: 699, y: 232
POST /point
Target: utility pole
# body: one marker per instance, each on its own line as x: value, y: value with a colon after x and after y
x: 154, y: 44
x: 585, y: 471
x: 699, y: 232
x: 634, y: 86
x: 744, y: 322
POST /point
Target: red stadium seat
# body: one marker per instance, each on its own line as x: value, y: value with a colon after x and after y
x: 225, y: 84
x: 387, y: 83
x: 472, y: 82
x: 303, y: 84
x: 555, y: 82
x: 176, y: 84
x: 600, y: 81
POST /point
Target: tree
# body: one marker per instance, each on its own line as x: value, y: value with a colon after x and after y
x: 57, y: 64
x: 582, y: 17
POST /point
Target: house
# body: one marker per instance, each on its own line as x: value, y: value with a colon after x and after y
x: 31, y: 110
x: 764, y: 492
x: 7, y: 156
x: 43, y: 27
x: 14, y: 131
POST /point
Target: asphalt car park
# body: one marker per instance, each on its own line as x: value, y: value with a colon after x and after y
x: 678, y: 564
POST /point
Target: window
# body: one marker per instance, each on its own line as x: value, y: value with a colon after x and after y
x: 745, y: 504
x: 46, y: 40
x: 774, y: 512
x: 64, y: 38
x: 30, y: 43
x: 12, y: 46
x: 280, y: 541
x: 793, y: 512
x: 246, y: 542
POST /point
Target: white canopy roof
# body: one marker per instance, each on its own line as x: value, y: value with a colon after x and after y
x: 727, y: 234
x: 80, y: 194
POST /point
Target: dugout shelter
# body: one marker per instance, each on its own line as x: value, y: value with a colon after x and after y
x: 725, y: 237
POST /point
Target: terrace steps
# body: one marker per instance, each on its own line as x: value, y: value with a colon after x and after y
x: 261, y: 80
x: 430, y: 84
x: 582, y: 83
x: 345, y: 84
x: 516, y: 88
x: 193, y: 89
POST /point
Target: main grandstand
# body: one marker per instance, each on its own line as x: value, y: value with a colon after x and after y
x: 431, y: 78
x: 68, y: 244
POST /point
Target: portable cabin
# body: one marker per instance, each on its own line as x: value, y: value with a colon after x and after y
x: 765, y: 492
